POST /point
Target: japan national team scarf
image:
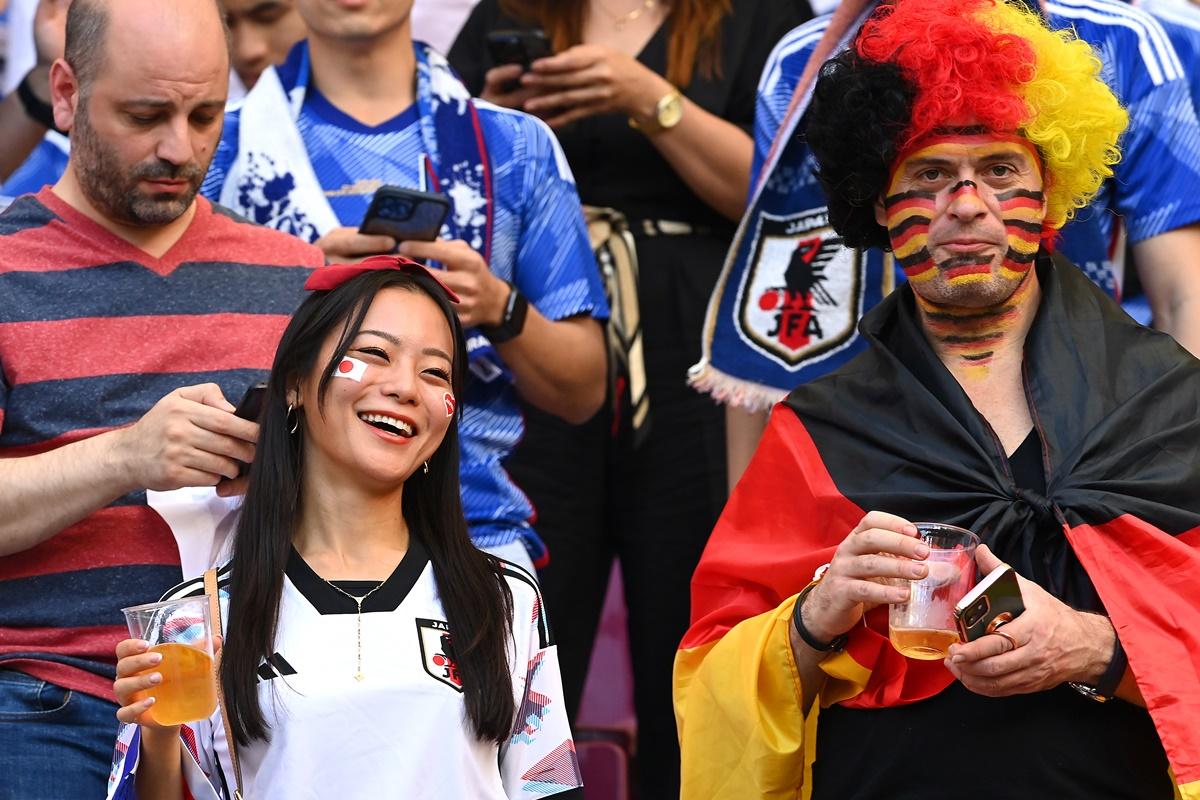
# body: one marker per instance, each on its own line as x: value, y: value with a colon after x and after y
x: 272, y: 181
x: 789, y: 289
x: 1117, y: 408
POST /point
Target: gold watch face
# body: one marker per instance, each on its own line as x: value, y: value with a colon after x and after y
x: 670, y: 110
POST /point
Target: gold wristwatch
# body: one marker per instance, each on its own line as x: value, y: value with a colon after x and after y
x: 667, y: 113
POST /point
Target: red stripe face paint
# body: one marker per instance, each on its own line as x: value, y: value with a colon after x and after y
x: 964, y: 215
x: 451, y: 404
x: 909, y: 215
x: 964, y: 208
x: 1022, y: 211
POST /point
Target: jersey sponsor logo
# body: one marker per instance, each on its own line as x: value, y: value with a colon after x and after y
x: 804, y: 288
x: 437, y: 652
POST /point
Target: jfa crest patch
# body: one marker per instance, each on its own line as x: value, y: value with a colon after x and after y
x: 437, y: 652
x: 803, y: 292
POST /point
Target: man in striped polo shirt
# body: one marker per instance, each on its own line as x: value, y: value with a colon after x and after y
x: 118, y: 286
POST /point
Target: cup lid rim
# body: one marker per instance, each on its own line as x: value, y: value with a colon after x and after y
x: 948, y: 526
x: 177, y: 601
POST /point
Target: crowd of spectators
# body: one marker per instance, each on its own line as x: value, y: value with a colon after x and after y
x: 648, y: 250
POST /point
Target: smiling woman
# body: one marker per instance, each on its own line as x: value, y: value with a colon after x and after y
x: 354, y: 579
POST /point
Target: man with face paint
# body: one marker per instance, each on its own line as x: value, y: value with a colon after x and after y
x: 1002, y: 392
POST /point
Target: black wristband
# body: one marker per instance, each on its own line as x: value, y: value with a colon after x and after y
x: 38, y: 111
x: 838, y: 643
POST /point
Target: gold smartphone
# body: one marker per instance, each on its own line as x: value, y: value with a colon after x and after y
x: 993, y: 601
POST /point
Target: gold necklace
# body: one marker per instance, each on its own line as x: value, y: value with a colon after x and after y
x: 358, y: 601
x: 624, y: 19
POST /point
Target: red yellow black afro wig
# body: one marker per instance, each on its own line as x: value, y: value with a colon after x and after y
x: 922, y: 65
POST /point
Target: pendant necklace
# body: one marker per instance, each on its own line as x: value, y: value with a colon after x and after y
x: 358, y: 601
x: 624, y: 19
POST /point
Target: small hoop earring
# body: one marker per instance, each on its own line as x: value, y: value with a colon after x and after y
x: 426, y: 468
x: 291, y: 409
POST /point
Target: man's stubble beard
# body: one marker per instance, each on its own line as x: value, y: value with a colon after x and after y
x: 113, y: 190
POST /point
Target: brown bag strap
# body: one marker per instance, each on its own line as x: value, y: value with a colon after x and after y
x: 616, y: 256
x: 214, y: 611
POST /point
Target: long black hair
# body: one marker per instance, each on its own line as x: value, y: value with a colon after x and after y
x: 474, y: 594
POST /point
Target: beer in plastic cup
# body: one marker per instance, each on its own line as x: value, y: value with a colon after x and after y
x: 922, y: 627
x: 181, y: 630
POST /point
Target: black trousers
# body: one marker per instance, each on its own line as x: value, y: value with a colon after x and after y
x: 652, y: 507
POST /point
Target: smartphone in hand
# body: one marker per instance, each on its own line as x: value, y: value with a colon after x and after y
x: 993, y: 601
x: 250, y: 408
x: 518, y: 47
x: 406, y: 215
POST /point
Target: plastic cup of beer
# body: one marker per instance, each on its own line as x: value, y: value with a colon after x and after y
x: 181, y: 630
x: 923, y: 627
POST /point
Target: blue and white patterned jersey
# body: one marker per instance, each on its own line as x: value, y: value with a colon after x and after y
x: 1181, y: 20
x: 539, y: 242
x: 44, y: 166
x: 1154, y: 188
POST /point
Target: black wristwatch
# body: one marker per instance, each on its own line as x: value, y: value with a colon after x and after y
x: 1106, y: 688
x: 513, y: 321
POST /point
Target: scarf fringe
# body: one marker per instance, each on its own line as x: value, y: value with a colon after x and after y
x: 728, y: 390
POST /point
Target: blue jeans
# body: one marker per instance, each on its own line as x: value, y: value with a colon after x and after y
x: 55, y: 744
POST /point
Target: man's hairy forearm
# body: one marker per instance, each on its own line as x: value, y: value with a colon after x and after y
x: 43, y: 494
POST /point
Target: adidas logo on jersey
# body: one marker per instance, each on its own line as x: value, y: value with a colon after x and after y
x: 274, y: 667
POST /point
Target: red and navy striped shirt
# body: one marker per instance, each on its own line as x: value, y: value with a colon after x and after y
x: 93, y: 331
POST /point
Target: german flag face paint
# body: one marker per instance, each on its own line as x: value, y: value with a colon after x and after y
x: 964, y: 213
x: 971, y: 336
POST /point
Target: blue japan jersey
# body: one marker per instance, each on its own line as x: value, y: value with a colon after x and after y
x: 44, y: 166
x: 539, y: 242
x: 1181, y: 20
x: 758, y: 347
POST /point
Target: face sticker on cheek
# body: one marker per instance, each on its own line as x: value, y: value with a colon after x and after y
x: 351, y: 368
x: 451, y: 404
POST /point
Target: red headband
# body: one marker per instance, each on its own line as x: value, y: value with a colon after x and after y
x: 334, y: 275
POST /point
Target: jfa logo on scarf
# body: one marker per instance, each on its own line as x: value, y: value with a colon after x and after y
x: 437, y: 652
x: 803, y: 291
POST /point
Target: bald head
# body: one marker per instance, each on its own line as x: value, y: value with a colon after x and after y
x: 89, y: 23
x: 142, y: 90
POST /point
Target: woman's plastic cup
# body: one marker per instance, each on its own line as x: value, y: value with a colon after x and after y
x: 181, y: 631
x: 923, y: 626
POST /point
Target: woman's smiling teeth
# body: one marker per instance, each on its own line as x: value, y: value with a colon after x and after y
x: 392, y: 425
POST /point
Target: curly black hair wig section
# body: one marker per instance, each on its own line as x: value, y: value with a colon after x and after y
x: 858, y: 115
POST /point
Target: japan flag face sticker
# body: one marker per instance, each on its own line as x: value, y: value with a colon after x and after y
x: 451, y: 404
x: 351, y: 368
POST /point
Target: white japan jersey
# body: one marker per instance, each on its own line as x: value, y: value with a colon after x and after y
x: 400, y: 732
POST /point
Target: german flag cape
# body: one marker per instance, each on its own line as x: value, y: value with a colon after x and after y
x: 1117, y: 408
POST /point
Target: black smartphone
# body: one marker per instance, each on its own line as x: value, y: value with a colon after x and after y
x: 405, y: 214
x: 250, y: 407
x: 993, y: 601
x: 518, y: 47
